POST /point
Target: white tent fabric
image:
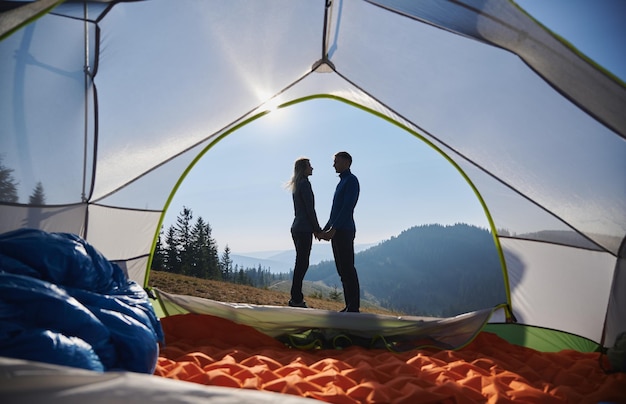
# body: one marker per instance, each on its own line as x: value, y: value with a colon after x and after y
x: 278, y: 321
x: 93, y: 105
x: 36, y: 382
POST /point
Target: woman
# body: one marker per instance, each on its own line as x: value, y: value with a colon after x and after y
x: 304, y: 225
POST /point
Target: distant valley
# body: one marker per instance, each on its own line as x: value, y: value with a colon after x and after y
x: 282, y: 261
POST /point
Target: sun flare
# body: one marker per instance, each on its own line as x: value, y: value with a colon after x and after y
x: 275, y: 114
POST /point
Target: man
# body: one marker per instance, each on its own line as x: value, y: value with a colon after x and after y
x: 340, y: 230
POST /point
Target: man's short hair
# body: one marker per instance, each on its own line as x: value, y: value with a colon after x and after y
x: 344, y: 155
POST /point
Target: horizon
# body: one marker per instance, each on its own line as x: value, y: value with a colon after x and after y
x: 283, y: 260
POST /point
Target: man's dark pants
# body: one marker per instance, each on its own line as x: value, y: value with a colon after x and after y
x: 343, y: 251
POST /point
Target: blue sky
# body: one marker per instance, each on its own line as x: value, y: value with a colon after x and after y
x: 238, y: 187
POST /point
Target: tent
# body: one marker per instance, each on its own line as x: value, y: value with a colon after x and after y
x: 93, y: 107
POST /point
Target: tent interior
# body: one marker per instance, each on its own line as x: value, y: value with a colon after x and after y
x: 108, y: 105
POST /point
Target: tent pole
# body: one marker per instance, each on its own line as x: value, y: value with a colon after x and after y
x: 86, y: 76
x: 329, y: 3
x: 324, y: 59
x: 86, y: 104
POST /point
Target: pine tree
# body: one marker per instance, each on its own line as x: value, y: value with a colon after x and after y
x: 213, y: 269
x: 158, y: 258
x: 199, y: 249
x: 38, y: 196
x: 241, y: 277
x: 8, y: 185
x: 171, y: 255
x: 184, y: 242
x: 226, y: 265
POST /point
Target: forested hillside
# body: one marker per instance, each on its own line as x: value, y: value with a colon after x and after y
x: 188, y: 248
x: 430, y: 270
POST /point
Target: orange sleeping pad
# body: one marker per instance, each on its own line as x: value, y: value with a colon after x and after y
x: 214, y: 351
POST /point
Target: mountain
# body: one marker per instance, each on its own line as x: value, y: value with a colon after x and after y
x: 430, y: 270
x: 249, y: 261
x: 282, y: 261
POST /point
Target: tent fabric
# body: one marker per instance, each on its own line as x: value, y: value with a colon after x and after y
x: 62, y: 302
x: 502, y: 24
x: 214, y: 351
x: 276, y: 321
x: 542, y: 139
x: 26, y: 382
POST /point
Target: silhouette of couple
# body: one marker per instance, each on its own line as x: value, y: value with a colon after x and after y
x: 340, y: 229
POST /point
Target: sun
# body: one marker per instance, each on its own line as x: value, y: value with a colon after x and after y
x: 275, y: 114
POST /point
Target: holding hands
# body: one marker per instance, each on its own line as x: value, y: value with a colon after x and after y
x: 325, y: 235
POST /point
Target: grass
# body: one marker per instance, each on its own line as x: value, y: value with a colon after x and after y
x: 230, y: 292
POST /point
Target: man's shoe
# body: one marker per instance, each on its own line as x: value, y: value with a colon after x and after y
x: 302, y: 304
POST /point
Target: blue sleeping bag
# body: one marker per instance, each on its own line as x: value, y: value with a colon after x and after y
x: 63, y: 302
